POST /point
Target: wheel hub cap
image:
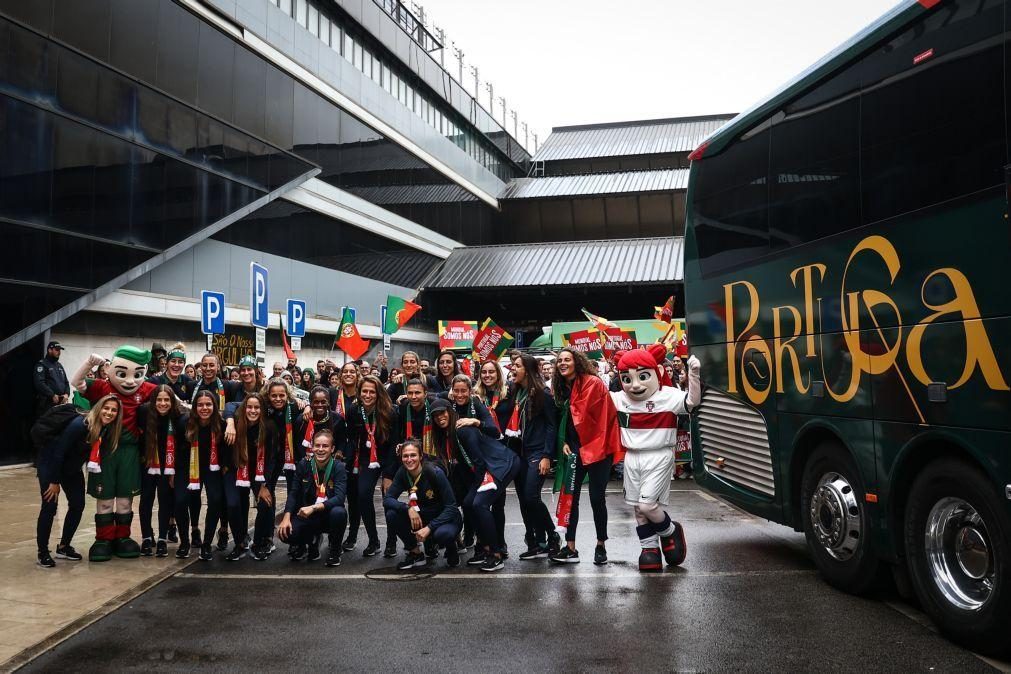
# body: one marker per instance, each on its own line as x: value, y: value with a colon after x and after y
x: 959, y: 554
x: 835, y: 516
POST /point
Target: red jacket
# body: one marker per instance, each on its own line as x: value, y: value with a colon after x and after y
x: 595, y: 419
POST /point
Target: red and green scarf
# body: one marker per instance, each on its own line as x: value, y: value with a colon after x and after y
x: 427, y: 447
x: 289, y: 443
x: 514, y: 427
x: 320, y: 484
x: 370, y: 440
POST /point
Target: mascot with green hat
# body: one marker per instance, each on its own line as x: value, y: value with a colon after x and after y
x: 115, y: 479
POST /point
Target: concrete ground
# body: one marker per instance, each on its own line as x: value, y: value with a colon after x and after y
x: 747, y: 599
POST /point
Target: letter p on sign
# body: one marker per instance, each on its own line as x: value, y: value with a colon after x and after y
x: 212, y: 312
x: 258, y: 295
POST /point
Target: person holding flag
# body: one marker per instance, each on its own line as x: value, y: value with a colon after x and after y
x: 316, y: 505
x: 373, y: 456
x: 589, y: 444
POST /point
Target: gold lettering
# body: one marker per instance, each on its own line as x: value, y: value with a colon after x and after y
x: 732, y: 335
x: 806, y: 273
x: 978, y: 350
x: 781, y: 347
x: 755, y: 343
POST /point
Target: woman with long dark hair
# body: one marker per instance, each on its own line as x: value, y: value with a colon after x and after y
x: 446, y: 368
x: 469, y: 408
x: 493, y: 390
x: 373, y: 455
x: 589, y: 443
x: 199, y: 458
x: 343, y: 401
x: 256, y: 473
x: 531, y: 431
x: 163, y: 428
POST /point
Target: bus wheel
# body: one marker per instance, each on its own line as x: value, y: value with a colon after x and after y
x: 835, y: 519
x: 957, y: 533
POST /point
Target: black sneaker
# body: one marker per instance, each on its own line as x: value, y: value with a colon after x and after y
x: 146, y: 547
x: 161, y: 549
x: 599, y: 555
x: 371, y: 550
x: 565, y: 556
x: 260, y: 552
x: 554, y: 543
x: 492, y: 563
x: 222, y: 539
x: 536, y: 552
x: 313, y: 552
x: 206, y: 552
x: 334, y: 558
x: 350, y: 544
x: 67, y: 552
x: 504, y: 551
x: 173, y: 534
x: 237, y: 553
x: 452, y: 557
x: 412, y: 560
x: 477, y: 559
x: 183, y: 551
x: 296, y: 552
x: 431, y: 549
x: 195, y: 539
x: 391, y: 550
x: 45, y: 559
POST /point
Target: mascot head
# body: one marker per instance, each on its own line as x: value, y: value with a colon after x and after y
x: 127, y: 368
x: 641, y: 371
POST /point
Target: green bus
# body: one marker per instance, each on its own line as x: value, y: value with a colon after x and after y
x: 846, y: 267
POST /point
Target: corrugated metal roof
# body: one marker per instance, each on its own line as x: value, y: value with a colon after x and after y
x: 568, y: 263
x: 412, y: 194
x: 656, y: 136
x: 658, y: 180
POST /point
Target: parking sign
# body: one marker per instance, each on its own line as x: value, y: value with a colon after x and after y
x: 258, y: 294
x: 296, y: 318
x: 212, y: 312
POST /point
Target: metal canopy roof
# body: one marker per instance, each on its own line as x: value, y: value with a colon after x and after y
x: 622, y: 182
x: 568, y: 263
x: 654, y: 136
x: 412, y: 194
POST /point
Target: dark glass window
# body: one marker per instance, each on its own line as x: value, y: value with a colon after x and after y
x: 31, y: 65
x: 77, y: 85
x: 932, y: 118
x: 731, y: 203
x: 216, y: 72
x: 38, y: 13
x: 306, y: 129
x: 133, y: 45
x: 250, y: 92
x: 84, y: 25
x: 280, y: 99
x: 814, y: 165
x: 178, y: 32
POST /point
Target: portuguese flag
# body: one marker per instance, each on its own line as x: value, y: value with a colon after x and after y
x: 398, y: 312
x: 348, y: 338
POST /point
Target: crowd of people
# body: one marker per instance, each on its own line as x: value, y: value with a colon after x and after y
x: 441, y: 445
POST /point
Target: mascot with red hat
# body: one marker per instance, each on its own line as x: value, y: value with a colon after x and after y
x: 648, y: 405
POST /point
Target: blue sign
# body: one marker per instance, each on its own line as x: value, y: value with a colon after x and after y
x: 354, y: 313
x: 258, y: 316
x: 212, y: 312
x: 296, y: 318
x: 382, y: 318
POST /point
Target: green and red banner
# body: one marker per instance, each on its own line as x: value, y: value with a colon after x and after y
x: 349, y: 340
x: 585, y: 341
x: 398, y: 312
x: 457, y: 335
x: 491, y: 341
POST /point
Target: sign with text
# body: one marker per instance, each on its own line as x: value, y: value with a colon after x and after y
x: 212, y: 312
x: 296, y: 318
x: 457, y: 334
x: 258, y: 295
x: 231, y: 348
x: 491, y: 341
x: 584, y: 341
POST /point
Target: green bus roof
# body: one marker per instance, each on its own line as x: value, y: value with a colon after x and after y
x: 892, y: 21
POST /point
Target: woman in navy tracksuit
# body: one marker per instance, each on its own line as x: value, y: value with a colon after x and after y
x: 530, y: 431
x: 373, y: 455
x: 204, y: 435
x: 485, y: 456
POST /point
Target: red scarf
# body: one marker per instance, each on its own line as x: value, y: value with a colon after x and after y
x: 370, y: 441
x: 214, y: 466
x: 427, y: 446
x: 412, y: 496
x: 260, y: 461
x: 289, y: 452
x: 194, y: 483
x: 491, y: 403
x: 95, y: 458
x: 310, y: 431
x: 170, y: 451
x: 242, y: 476
x: 513, y: 428
x: 488, y: 482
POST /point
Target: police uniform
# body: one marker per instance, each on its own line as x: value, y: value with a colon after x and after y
x: 50, y: 379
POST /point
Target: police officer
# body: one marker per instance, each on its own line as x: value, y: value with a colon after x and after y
x: 52, y: 387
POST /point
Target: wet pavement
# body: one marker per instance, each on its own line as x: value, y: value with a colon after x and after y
x: 747, y: 599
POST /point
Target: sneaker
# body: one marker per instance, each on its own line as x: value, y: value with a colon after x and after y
x: 45, y: 560
x: 650, y: 560
x: 492, y: 563
x: 565, y: 556
x: 431, y: 549
x: 477, y: 559
x: 173, y: 534
x: 296, y: 552
x: 554, y: 543
x: 674, y: 546
x: 183, y: 551
x: 391, y: 550
x: 269, y: 547
x: 452, y: 557
x: 371, y: 550
x: 536, y: 552
x: 350, y: 544
x: 195, y: 539
x: 504, y: 551
x: 412, y: 560
x: 468, y: 541
x: 206, y: 552
x: 222, y: 539
x: 599, y: 555
x: 146, y: 547
x: 334, y: 558
x: 161, y: 549
x: 68, y: 552
x: 237, y: 553
x: 259, y: 552
x: 313, y: 552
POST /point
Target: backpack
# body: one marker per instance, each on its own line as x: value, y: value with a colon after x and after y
x: 52, y: 423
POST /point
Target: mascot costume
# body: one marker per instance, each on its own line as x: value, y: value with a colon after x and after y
x: 648, y: 405
x: 114, y: 477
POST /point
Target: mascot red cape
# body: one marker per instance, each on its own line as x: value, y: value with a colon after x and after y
x: 648, y: 405
x: 114, y: 477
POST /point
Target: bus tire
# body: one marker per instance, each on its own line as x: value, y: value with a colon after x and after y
x: 836, y: 523
x: 957, y: 533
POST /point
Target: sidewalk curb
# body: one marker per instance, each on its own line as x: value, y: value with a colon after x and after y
x: 26, y: 656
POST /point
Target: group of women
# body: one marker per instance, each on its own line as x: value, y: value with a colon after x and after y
x: 229, y: 443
